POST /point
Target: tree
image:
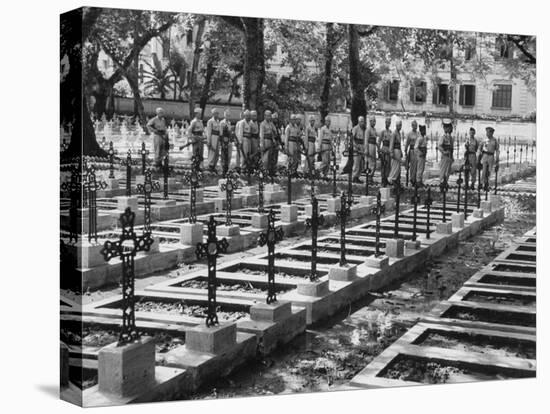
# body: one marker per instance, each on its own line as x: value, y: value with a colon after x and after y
x: 75, y: 30
x: 159, y: 78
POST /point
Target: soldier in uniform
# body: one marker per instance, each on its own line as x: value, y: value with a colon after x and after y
x: 470, y: 155
x: 254, y: 136
x: 226, y: 145
x: 268, y: 146
x: 195, y: 134
x: 157, y: 125
x: 278, y: 143
x: 243, y: 134
x: 385, y: 156
x: 488, y: 154
x: 396, y: 153
x: 421, y: 151
x: 410, y: 143
x: 325, y: 145
x: 213, y: 131
x: 309, y: 144
x: 293, y: 134
x: 372, y: 146
x: 358, y: 133
x: 446, y: 146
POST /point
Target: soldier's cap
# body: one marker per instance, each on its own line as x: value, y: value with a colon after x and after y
x: 215, y: 111
x: 490, y: 128
x: 472, y: 129
x: 197, y: 110
x: 292, y: 117
x: 312, y: 117
x: 267, y: 112
x: 447, y: 121
x: 275, y: 115
x: 414, y: 122
x: 159, y: 110
x: 361, y: 118
x: 372, y: 117
x: 422, y: 128
x: 388, y: 118
x: 253, y: 113
x: 247, y: 112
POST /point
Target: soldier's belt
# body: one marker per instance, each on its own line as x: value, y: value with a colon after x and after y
x: 311, y: 139
x: 358, y: 141
x: 292, y: 139
x: 372, y: 141
x: 488, y: 153
x: 327, y: 141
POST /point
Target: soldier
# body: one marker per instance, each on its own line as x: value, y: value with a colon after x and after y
x: 195, y: 134
x: 358, y: 135
x: 410, y: 142
x: 396, y: 153
x: 470, y: 155
x: 277, y: 140
x: 446, y: 147
x: 213, y: 130
x: 157, y: 125
x: 254, y: 136
x: 226, y: 147
x: 385, y: 156
x: 243, y: 134
x: 325, y: 145
x: 420, y: 150
x: 372, y: 146
x: 293, y: 133
x: 268, y: 146
x: 488, y: 154
x: 309, y: 144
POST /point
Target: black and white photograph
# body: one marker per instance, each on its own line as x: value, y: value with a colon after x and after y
x: 276, y: 208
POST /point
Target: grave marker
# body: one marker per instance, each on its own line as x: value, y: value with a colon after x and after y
x: 459, y: 182
x: 428, y: 205
x: 379, y: 210
x: 111, y: 152
x: 74, y: 187
x: 398, y: 190
x: 313, y: 223
x: 146, y: 189
x: 231, y: 184
x: 193, y: 178
x: 144, y: 152
x: 270, y: 238
x: 443, y: 188
x: 211, y: 250
x: 342, y: 216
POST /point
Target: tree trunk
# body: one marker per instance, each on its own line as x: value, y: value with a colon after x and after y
x: 139, y: 111
x: 195, y: 65
x: 357, y: 87
x: 254, y: 62
x: 210, y: 71
x: 327, y: 75
x: 75, y: 26
x: 452, y: 84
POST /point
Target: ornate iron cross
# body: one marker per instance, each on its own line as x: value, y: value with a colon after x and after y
x: 146, y: 189
x: 467, y: 169
x: 334, y: 169
x: 444, y: 187
x: 496, y: 178
x: 479, y: 187
x: 271, y: 237
x: 349, y: 153
x: 211, y: 250
x: 193, y: 177
x: 342, y: 217
x: 74, y: 187
x: 231, y: 184
x: 415, y: 199
x: 379, y: 210
x: 111, y: 152
x: 144, y: 152
x: 313, y: 224
x: 459, y: 182
x: 165, y: 173
x: 128, y: 163
x: 91, y: 185
x: 126, y: 248
x: 261, y: 174
x: 428, y: 205
x: 398, y: 190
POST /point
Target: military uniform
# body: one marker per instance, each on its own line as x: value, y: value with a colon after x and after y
x: 372, y: 148
x: 385, y: 155
x: 396, y: 156
x: 446, y: 146
x: 410, y: 143
x: 293, y: 134
x: 243, y: 133
x: 213, y: 132
x: 226, y: 144
x: 358, y: 136
x: 488, y: 152
x: 268, y: 135
x: 325, y: 144
x: 309, y: 143
x: 420, y: 151
x: 471, y: 147
x: 195, y: 133
x: 160, y: 139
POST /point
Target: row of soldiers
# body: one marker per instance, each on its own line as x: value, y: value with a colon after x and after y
x: 261, y: 142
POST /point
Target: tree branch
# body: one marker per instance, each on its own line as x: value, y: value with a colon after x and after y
x: 520, y: 44
x: 236, y: 22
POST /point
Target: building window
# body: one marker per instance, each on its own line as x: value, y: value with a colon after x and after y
x: 440, y: 94
x: 504, y: 50
x: 418, y: 92
x: 467, y: 95
x: 470, y: 50
x: 392, y: 91
x: 502, y: 96
x: 189, y: 37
